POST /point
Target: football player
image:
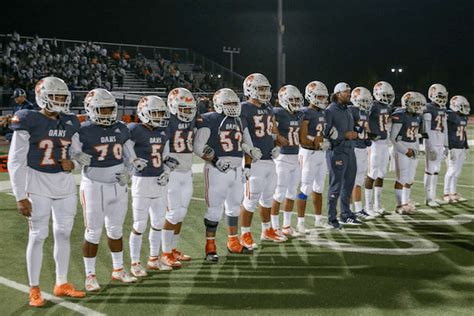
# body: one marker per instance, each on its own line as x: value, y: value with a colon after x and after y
x: 312, y: 157
x: 406, y: 122
x: 149, y: 191
x: 458, y: 118
x: 103, y: 189
x: 436, y: 145
x: 361, y: 100
x: 287, y: 167
x: 221, y: 140
x: 378, y: 151
x: 181, y: 129
x: 39, y: 165
x: 257, y: 115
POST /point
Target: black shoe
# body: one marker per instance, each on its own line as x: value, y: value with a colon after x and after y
x: 333, y: 225
x: 351, y: 221
x: 212, y: 257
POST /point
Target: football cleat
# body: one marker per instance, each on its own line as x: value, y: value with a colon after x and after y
x: 247, y: 241
x: 211, y: 251
x: 289, y: 232
x: 36, y: 300
x: 280, y: 234
x: 449, y: 198
x: 137, y: 270
x: 122, y: 276
x: 154, y: 263
x: 372, y: 213
x: 234, y: 246
x: 364, y: 215
x: 458, y: 198
x: 179, y: 256
x: 91, y: 284
x: 168, y: 259
x: 350, y: 221
x: 404, y: 210
x: 441, y: 201
x: 414, y: 203
x: 270, y: 235
x: 333, y: 225
x: 318, y: 222
x: 67, y: 289
x: 380, y: 211
x: 432, y: 203
x: 301, y: 230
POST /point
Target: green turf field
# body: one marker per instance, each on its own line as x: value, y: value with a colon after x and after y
x: 420, y: 264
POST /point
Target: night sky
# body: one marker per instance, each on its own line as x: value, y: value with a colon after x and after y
x: 332, y: 40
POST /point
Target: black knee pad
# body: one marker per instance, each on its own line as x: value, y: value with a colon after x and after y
x: 232, y: 221
x: 211, y: 226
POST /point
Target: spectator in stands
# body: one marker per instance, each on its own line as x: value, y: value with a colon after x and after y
x: 20, y: 101
x: 120, y: 76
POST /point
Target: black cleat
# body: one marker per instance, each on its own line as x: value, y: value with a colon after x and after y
x: 244, y: 250
x: 212, y: 257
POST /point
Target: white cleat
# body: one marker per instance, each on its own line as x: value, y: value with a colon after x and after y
x: 380, y: 211
x: 414, y: 203
x: 156, y: 264
x: 319, y: 223
x: 122, y: 276
x: 404, y: 210
x: 458, y: 198
x: 137, y: 270
x: 372, y: 213
x: 289, y: 232
x: 432, y: 203
x: 449, y: 198
x: 301, y: 230
x: 91, y: 284
x: 280, y: 234
x: 441, y: 201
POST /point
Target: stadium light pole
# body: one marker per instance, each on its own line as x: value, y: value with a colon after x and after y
x: 280, y: 54
x: 231, y: 51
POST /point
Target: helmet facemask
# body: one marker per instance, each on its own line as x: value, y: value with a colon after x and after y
x: 106, y: 115
x: 186, y: 112
x: 231, y: 109
x: 264, y: 93
x: 56, y: 103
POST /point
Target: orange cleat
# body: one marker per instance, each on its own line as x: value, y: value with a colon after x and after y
x: 67, y: 289
x: 168, y: 259
x: 178, y: 255
x: 247, y: 241
x: 211, y: 251
x: 234, y: 246
x: 36, y: 300
x: 271, y: 235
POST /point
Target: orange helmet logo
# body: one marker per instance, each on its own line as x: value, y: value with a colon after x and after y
x: 38, y: 86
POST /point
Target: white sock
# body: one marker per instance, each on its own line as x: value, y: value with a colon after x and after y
x: 154, y: 238
x: 135, y: 242
x: 89, y: 265
x: 34, y: 259
x: 369, y: 199
x: 275, y: 221
x: 427, y: 185
x: 434, y: 183
x: 358, y: 206
x: 117, y: 260
x: 167, y: 240
x: 244, y: 230
x: 265, y: 226
x: 405, y: 194
x: 300, y: 221
x: 398, y: 196
x: 378, y: 197
x: 317, y: 218
x: 62, y: 248
x: 176, y: 240
x: 287, y: 218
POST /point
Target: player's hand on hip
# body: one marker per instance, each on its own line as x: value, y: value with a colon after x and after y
x: 275, y: 152
x: 123, y: 177
x: 281, y: 141
x: 410, y: 153
x: 163, y: 179
x: 82, y: 158
x: 223, y: 165
x: 24, y: 207
x: 139, y: 164
x: 67, y: 165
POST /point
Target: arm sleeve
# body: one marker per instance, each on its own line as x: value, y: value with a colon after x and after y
x: 393, y: 137
x: 247, y: 138
x: 200, y: 140
x: 76, y: 146
x: 128, y: 151
x: 445, y: 129
x: 17, y: 159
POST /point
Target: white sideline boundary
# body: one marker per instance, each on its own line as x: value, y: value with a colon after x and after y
x: 56, y: 300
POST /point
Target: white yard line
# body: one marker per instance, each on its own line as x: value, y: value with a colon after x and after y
x: 56, y: 300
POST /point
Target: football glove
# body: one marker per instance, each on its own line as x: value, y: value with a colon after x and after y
x: 333, y: 134
x: 163, y: 178
x: 275, y: 152
x: 82, y: 158
x: 253, y: 152
x: 171, y: 163
x: 122, y: 177
x: 223, y: 165
x: 139, y: 164
x: 373, y: 136
x: 208, y: 153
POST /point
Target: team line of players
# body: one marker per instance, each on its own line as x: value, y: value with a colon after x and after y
x: 255, y: 155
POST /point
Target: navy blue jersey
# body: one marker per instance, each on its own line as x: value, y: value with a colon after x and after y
x: 361, y: 120
x: 378, y: 119
x: 50, y: 139
x: 149, y: 145
x: 104, y: 143
x: 289, y: 127
x: 316, y: 120
x: 457, y: 125
x: 340, y: 117
x: 437, y: 116
x: 259, y: 123
x: 181, y: 135
x: 226, y: 133
x: 410, y: 125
